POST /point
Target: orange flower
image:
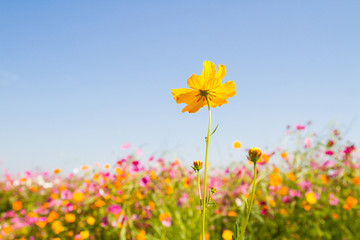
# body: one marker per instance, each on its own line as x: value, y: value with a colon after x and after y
x: 151, y: 205
x: 78, y: 197
x: 237, y: 144
x: 284, y: 155
x: 17, y: 205
x: 207, y: 236
x: 7, y: 230
x: 356, y: 181
x: 350, y: 202
x: 275, y: 180
x: 324, y: 179
x: 205, y: 89
x: 57, y: 171
x: 141, y: 235
x: 232, y: 214
x: 57, y: 227
x: 52, y: 216
x: 99, y: 203
x: 291, y: 176
x: 306, y: 206
x: 283, y: 190
x: 70, y: 217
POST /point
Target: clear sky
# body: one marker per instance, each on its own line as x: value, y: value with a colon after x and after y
x: 80, y: 78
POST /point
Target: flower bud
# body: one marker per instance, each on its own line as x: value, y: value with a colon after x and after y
x: 197, y: 165
x: 213, y: 190
x: 254, y: 154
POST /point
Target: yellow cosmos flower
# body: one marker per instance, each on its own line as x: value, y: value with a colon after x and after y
x: 206, y: 86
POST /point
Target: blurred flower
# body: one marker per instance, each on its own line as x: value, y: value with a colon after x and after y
x: 300, y: 127
x: 284, y: 155
x: 114, y: 209
x: 17, y: 205
x: 84, y: 234
x: 324, y: 179
x: 307, y: 142
x: 70, y: 217
x: 227, y: 235
x: 333, y: 200
x: 125, y: 146
x: 310, y: 197
x: 78, y: 197
x: 144, y: 181
x: 329, y: 152
x: 141, y: 235
x: 350, y: 202
x: 275, y: 180
x: 237, y: 144
x: 291, y: 176
x: 90, y: 220
x: 57, y: 227
x: 165, y: 219
x: 356, y: 181
x: 207, y: 85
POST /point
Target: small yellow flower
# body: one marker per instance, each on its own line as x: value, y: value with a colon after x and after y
x: 206, y: 86
x: 227, y: 235
x: 237, y: 144
x: 84, y: 234
x: 90, y: 220
x: 310, y: 198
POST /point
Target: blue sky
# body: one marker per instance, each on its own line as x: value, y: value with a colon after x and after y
x: 78, y: 78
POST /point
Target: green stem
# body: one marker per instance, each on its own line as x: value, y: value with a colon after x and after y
x: 205, y: 178
x: 199, y: 189
x: 250, y: 205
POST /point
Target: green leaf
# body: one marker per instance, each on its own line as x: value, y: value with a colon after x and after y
x: 214, y: 130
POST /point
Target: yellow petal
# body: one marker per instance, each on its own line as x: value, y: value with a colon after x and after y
x: 225, y: 90
x: 195, y: 105
x: 221, y: 71
x: 196, y: 81
x: 222, y: 93
x: 208, y: 70
x: 184, y: 95
x: 208, y: 74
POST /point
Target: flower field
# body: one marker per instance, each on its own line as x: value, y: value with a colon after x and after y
x: 308, y: 189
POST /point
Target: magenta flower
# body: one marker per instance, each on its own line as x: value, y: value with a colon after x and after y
x: 144, y: 181
x: 330, y: 153
x: 300, y: 127
x: 114, y: 209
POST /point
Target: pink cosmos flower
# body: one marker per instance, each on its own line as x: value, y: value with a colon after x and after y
x: 114, y: 209
x: 144, y: 181
x: 305, y: 186
x: 329, y: 152
x: 125, y: 146
x: 307, y: 142
x: 300, y: 127
x: 333, y: 200
x: 294, y: 193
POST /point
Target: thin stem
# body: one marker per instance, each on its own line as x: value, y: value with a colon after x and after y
x: 199, y: 189
x: 205, y: 178
x: 250, y: 205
